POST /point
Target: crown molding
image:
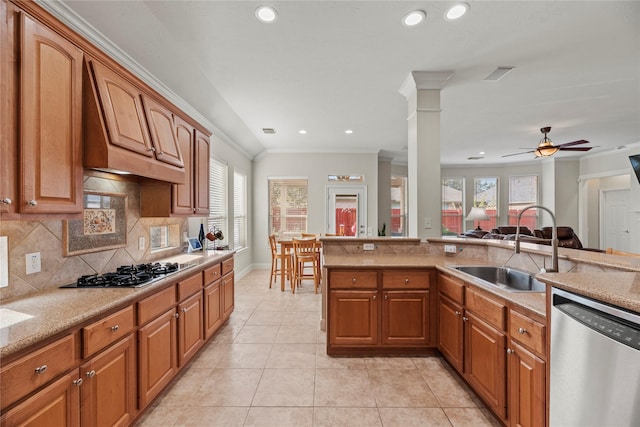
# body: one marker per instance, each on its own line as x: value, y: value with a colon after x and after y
x: 419, y: 80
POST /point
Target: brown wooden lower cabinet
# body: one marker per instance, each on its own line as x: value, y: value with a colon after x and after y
x: 353, y: 318
x: 108, y: 391
x: 57, y: 404
x: 212, y: 308
x: 190, y: 330
x: 157, y: 356
x: 451, y: 332
x: 228, y: 295
x: 405, y: 318
x: 527, y: 387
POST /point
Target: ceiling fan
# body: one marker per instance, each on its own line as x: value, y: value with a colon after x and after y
x: 546, y: 148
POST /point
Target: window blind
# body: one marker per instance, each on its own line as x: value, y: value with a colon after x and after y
x: 218, y: 198
x: 239, y: 210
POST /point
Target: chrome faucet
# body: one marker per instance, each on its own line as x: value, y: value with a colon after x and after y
x: 554, y: 236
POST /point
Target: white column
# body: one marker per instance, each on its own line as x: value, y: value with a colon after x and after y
x: 422, y: 90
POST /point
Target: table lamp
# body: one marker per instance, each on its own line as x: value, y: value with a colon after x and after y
x: 477, y: 213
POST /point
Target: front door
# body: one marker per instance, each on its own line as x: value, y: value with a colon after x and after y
x: 347, y: 210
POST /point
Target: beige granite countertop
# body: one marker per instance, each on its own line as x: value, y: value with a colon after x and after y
x: 534, y: 301
x: 55, y: 311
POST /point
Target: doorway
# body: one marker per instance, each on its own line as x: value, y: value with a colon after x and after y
x: 614, y: 219
x: 347, y: 210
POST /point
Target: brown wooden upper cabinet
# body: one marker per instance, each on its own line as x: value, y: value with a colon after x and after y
x: 161, y: 126
x: 47, y: 114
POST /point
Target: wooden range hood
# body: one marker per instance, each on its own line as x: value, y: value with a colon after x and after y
x: 125, y: 129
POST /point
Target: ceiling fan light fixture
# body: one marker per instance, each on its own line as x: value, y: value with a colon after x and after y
x: 413, y: 18
x: 546, y: 150
x: 266, y: 14
x: 456, y: 11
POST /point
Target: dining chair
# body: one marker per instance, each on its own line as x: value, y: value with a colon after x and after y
x: 276, y: 261
x: 305, y: 257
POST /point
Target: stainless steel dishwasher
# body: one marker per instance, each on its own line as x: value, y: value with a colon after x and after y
x: 595, y: 363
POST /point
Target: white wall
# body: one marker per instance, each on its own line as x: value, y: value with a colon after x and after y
x: 316, y: 167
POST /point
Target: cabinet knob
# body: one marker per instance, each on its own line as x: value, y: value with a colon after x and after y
x: 406, y: 281
x: 373, y: 297
x: 386, y: 297
x: 184, y: 310
x: 522, y: 331
x: 91, y: 374
x: 151, y: 149
x: 32, y: 203
x: 78, y: 382
x: 465, y: 318
x: 457, y: 313
x: 176, y: 315
x: 6, y: 201
x: 41, y: 369
x: 509, y: 351
x: 354, y: 280
x: 115, y: 328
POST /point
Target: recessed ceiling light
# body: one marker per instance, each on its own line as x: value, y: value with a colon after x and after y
x: 456, y: 11
x: 481, y: 153
x: 266, y: 14
x: 302, y: 131
x: 348, y: 131
x: 413, y: 18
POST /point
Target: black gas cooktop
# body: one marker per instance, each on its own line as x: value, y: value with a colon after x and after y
x: 128, y: 276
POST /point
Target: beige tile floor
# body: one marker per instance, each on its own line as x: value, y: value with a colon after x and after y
x: 268, y: 367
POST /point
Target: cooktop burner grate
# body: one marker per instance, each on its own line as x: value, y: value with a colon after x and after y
x: 127, y: 276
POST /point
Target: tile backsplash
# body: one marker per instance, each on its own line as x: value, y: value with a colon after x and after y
x: 45, y: 236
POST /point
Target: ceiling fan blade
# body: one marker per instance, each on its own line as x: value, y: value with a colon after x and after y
x: 569, y: 144
x: 575, y: 148
x: 517, y: 154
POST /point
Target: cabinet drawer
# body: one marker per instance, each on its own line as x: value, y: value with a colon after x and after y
x: 451, y: 287
x: 189, y: 286
x: 106, y: 331
x: 490, y: 310
x: 212, y: 274
x: 405, y: 279
x: 530, y: 333
x: 38, y: 368
x: 150, y: 307
x: 353, y: 280
x: 227, y: 266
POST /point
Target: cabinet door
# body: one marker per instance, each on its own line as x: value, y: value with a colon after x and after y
x: 227, y: 286
x: 212, y: 309
x: 450, y: 331
x: 405, y: 318
x: 163, y: 136
x: 353, y: 318
x: 50, y: 122
x: 201, y: 174
x: 527, y: 388
x: 190, y: 330
x: 8, y: 122
x: 157, y: 356
x: 484, y: 362
x: 183, y: 194
x: 109, y: 388
x: 123, y: 110
x: 58, y: 404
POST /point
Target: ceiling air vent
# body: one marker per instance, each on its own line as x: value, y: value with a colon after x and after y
x: 268, y: 130
x: 498, y: 73
x: 475, y: 158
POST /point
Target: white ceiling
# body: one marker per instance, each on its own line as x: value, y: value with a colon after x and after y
x: 327, y: 66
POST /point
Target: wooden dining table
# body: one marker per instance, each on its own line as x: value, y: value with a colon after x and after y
x: 286, y: 250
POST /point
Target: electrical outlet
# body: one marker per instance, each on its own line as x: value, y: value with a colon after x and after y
x: 450, y: 249
x: 141, y: 243
x: 33, y: 263
x: 427, y: 223
x: 368, y: 246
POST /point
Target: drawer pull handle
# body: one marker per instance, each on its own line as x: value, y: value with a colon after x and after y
x: 91, y: 373
x: 115, y: 328
x: 78, y: 382
x: 522, y: 331
x: 353, y: 280
x: 41, y: 370
x: 406, y: 281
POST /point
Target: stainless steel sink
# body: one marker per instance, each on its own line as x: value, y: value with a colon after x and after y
x: 506, y: 278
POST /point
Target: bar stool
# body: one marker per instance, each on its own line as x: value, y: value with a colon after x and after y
x: 305, y: 256
x: 276, y: 261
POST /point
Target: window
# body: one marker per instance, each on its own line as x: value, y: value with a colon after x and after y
x: 523, y: 191
x: 217, y: 219
x: 452, y: 206
x: 287, y: 206
x: 398, y: 206
x: 239, y: 210
x: 485, y: 195
x: 159, y: 237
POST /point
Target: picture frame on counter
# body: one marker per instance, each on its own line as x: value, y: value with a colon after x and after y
x: 103, y: 226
